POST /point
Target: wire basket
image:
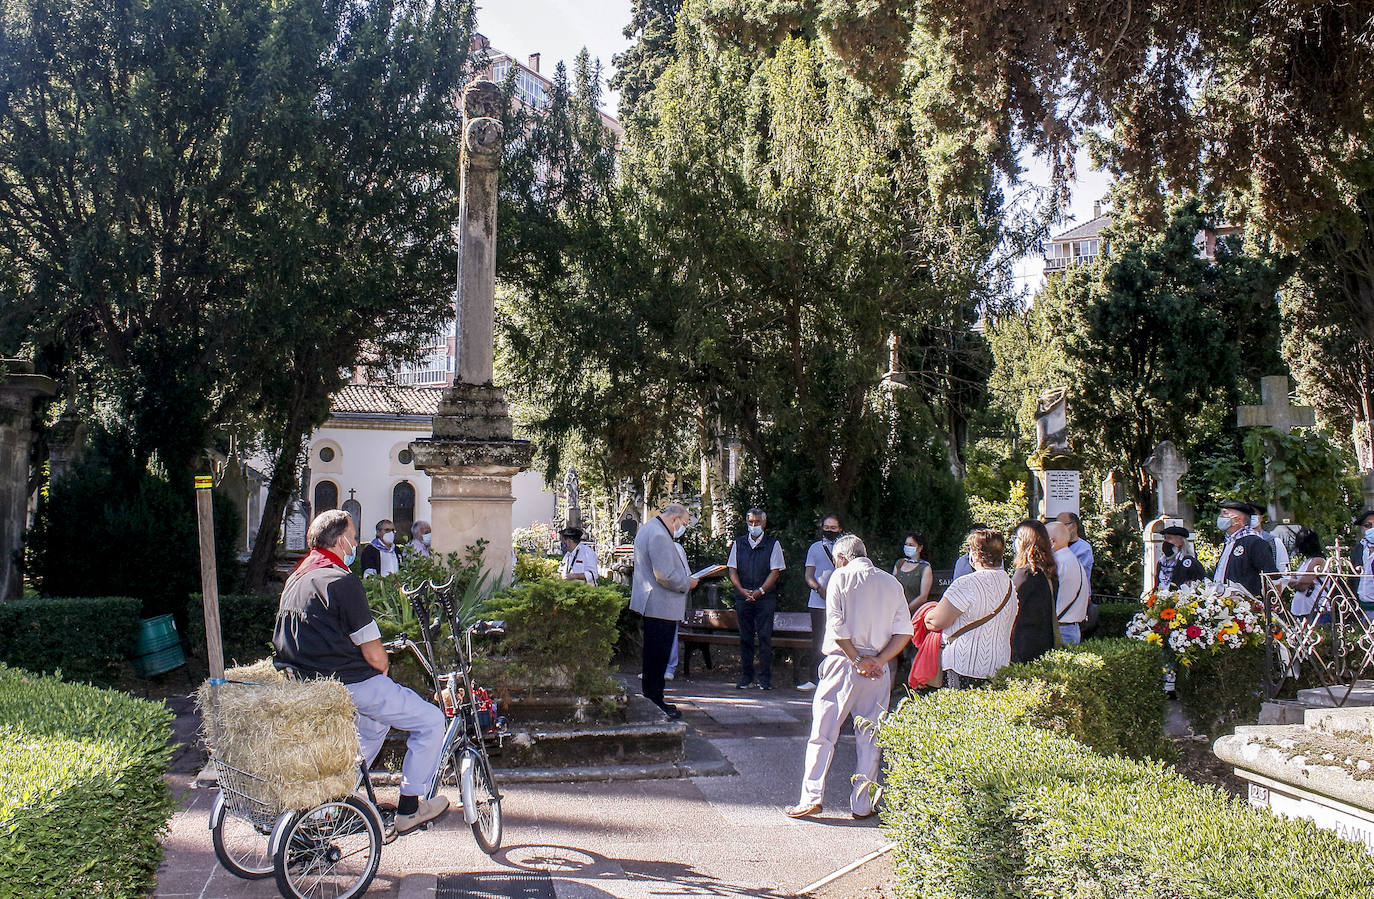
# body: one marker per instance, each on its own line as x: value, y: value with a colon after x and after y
x: 247, y: 796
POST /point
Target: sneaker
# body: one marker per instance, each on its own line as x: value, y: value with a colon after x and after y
x: 743, y: 685
x: 765, y: 686
x: 802, y: 810
x: 671, y: 711
x: 666, y: 677
x: 807, y: 687
x: 429, y: 810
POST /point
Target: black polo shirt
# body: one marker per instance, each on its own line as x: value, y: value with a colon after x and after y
x: 321, y: 615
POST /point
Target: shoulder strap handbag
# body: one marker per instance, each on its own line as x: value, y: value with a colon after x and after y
x: 1059, y: 619
x: 985, y: 619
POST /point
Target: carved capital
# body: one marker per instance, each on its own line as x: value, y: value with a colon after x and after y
x: 482, y: 100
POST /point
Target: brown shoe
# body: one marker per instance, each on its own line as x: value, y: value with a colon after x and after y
x: 802, y: 810
x: 859, y: 817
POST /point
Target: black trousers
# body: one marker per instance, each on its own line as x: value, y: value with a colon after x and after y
x: 817, y: 638
x: 756, y: 623
x: 658, y: 646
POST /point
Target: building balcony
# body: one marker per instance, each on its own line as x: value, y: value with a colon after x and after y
x: 1059, y: 263
x: 421, y: 376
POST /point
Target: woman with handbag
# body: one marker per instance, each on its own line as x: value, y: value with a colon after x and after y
x: 976, y: 615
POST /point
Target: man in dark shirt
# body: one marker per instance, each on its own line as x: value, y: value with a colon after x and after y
x: 325, y: 629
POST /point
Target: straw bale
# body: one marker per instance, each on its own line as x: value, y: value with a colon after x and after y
x: 299, y: 736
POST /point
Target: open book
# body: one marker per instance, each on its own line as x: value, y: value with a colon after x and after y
x: 710, y: 571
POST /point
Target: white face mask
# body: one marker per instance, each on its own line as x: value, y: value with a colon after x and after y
x: 388, y: 538
x: 755, y: 530
x: 1254, y: 521
x: 425, y: 539
x: 1223, y: 522
x: 681, y: 529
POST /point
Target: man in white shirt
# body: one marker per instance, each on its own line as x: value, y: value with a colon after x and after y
x: 1071, y: 604
x: 1082, y: 550
x: 579, y: 559
x: 820, y: 562
x: 379, y: 557
x: 867, y: 625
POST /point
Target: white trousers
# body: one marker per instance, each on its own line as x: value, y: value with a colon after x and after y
x: 383, y: 704
x: 842, y: 692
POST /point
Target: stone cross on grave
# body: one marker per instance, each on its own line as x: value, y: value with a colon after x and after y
x: 1167, y: 466
x: 1277, y: 412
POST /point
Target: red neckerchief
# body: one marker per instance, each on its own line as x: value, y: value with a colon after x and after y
x: 319, y: 558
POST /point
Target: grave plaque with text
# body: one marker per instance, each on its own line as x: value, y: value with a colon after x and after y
x: 1061, y: 491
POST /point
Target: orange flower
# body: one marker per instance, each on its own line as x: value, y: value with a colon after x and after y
x: 1168, y: 614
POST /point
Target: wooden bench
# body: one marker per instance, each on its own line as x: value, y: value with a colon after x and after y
x: 704, y: 628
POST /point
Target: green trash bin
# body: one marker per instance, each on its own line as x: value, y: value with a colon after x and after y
x: 159, y: 647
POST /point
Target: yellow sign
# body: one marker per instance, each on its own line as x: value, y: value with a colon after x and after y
x: 204, y: 482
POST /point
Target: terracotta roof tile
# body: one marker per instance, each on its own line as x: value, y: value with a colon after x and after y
x: 358, y: 399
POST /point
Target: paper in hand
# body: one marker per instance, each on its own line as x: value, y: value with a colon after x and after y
x: 710, y: 571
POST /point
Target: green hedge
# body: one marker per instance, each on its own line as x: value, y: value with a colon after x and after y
x: 1108, y: 694
x: 88, y: 639
x: 559, y: 635
x: 245, y: 623
x: 1112, y: 618
x: 82, y: 797
x: 980, y: 802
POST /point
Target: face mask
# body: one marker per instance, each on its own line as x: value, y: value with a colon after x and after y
x: 348, y: 559
x: 388, y: 538
x: 911, y: 551
x: 1168, y: 549
x: 830, y: 536
x: 1223, y: 522
x: 1254, y: 521
x: 755, y: 530
x: 681, y: 529
x: 425, y: 539
x: 1369, y: 534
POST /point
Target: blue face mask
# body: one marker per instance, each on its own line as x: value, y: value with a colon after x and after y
x: 911, y: 551
x: 681, y: 529
x: 348, y: 559
x: 755, y: 530
x: 1254, y: 521
x: 1369, y: 534
x: 1223, y: 522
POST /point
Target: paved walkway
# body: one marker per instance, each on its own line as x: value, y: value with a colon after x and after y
x: 699, y: 836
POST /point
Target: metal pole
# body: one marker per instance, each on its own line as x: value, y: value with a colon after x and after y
x: 209, y: 583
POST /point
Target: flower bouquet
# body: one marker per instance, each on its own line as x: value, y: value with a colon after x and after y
x: 1212, y: 637
x: 1199, y: 618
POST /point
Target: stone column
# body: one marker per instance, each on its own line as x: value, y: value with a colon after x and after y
x: 472, y: 457
x: 18, y: 388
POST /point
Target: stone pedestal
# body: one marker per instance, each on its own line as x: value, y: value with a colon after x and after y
x: 1058, y: 482
x: 19, y: 386
x: 1319, y: 770
x: 470, y: 461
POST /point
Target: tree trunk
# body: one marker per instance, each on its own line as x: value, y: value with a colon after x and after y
x: 284, y: 471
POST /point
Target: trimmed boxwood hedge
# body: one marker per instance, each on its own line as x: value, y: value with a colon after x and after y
x: 1112, y: 618
x: 246, y: 621
x: 82, y: 796
x: 982, y: 802
x: 88, y: 639
x: 1108, y: 694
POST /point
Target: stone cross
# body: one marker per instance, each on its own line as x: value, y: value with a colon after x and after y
x: 1166, y: 466
x: 1277, y: 412
x: 472, y: 454
x: 483, y: 137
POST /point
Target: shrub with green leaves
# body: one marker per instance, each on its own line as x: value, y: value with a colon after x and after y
x: 982, y: 802
x: 88, y: 639
x: 1108, y: 694
x: 246, y: 622
x: 1112, y: 618
x: 559, y: 636
x: 82, y: 796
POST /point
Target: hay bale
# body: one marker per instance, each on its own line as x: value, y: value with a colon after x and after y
x: 298, y: 736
